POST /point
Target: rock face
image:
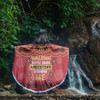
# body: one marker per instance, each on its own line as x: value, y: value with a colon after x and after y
x: 96, y: 29
x: 84, y: 39
x: 5, y: 93
x: 94, y: 46
x: 93, y: 67
x: 92, y: 57
x: 88, y: 48
x: 98, y: 25
x: 92, y: 60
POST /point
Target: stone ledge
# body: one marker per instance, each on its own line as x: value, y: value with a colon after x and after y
x: 55, y: 94
x: 50, y: 97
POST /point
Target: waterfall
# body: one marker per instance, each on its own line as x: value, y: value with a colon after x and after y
x: 77, y: 79
x: 96, y: 31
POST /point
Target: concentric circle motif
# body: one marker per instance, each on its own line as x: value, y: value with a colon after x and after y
x: 28, y: 60
x: 51, y: 74
x: 29, y: 74
x: 54, y: 61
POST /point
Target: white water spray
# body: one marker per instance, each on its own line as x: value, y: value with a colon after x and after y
x: 77, y: 76
x: 94, y: 30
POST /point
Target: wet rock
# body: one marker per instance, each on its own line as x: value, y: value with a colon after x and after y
x: 92, y: 67
x: 7, y: 87
x: 62, y: 91
x: 2, y: 89
x: 51, y: 97
x: 96, y: 29
x: 5, y: 93
x: 94, y: 46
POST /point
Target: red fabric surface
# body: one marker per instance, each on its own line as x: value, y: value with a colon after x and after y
x: 39, y: 68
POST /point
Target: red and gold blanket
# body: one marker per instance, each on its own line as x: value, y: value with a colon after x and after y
x: 40, y: 68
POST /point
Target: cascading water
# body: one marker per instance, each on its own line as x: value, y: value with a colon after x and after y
x: 77, y: 79
x: 95, y: 30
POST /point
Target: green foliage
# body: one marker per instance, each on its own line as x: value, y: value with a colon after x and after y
x: 46, y: 14
x: 88, y: 6
x: 30, y: 27
x: 22, y: 25
x: 63, y: 12
x: 4, y: 63
x: 69, y: 11
x: 8, y: 29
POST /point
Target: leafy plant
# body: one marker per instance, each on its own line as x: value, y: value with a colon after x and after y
x: 30, y: 27
x: 8, y: 29
x: 69, y: 11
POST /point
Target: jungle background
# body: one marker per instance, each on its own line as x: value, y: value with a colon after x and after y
x: 67, y: 22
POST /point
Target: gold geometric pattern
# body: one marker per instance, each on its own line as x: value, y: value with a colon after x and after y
x: 29, y: 74
x: 54, y: 50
